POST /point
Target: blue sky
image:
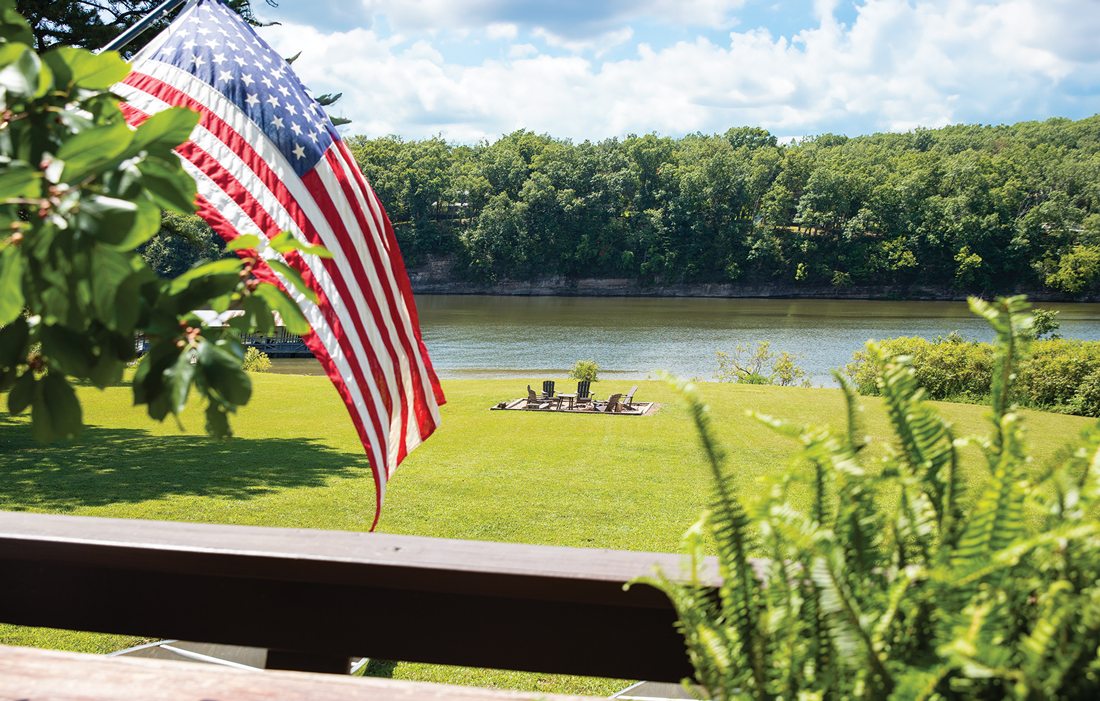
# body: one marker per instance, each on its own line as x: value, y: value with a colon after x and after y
x: 592, y: 69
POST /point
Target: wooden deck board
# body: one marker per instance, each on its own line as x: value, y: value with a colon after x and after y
x: 36, y: 675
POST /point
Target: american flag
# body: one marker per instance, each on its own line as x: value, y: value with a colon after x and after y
x: 267, y: 159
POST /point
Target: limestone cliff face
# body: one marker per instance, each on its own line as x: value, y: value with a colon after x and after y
x: 437, y: 278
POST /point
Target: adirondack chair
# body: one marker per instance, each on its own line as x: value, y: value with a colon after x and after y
x: 548, y: 389
x: 583, y: 388
x: 533, y: 400
x: 628, y: 402
x: 613, y: 404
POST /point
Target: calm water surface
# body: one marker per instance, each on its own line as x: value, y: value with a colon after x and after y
x: 633, y: 338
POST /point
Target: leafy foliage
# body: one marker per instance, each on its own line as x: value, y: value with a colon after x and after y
x: 759, y: 366
x: 80, y: 192
x: 893, y: 583
x: 1054, y: 373
x: 91, y: 25
x: 585, y: 370
x: 256, y: 360
x: 978, y: 208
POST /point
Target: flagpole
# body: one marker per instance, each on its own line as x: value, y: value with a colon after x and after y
x: 144, y: 23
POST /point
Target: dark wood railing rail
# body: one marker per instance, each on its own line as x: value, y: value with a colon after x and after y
x: 316, y: 598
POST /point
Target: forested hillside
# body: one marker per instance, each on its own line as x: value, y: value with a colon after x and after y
x: 966, y: 208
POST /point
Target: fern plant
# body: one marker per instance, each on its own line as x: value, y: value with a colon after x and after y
x: 895, y: 581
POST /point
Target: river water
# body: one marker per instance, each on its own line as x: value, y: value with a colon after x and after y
x: 634, y: 338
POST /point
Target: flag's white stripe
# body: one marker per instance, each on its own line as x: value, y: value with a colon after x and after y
x: 217, y: 104
x: 244, y: 224
x: 405, y: 411
x: 412, y: 439
x: 243, y: 125
x: 211, y: 191
x: 274, y: 208
x: 372, y: 209
x: 377, y: 220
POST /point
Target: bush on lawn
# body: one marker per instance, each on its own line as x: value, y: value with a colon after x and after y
x: 1050, y: 376
x: 256, y: 360
x: 585, y: 370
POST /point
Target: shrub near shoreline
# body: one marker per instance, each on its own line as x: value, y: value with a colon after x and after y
x: 1058, y: 374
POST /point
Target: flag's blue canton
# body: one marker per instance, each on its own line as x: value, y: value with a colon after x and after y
x: 215, y: 45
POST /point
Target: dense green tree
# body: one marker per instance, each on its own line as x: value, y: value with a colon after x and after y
x: 90, y: 24
x: 970, y: 208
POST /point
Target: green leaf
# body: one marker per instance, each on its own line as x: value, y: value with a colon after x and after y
x: 291, y: 276
x: 87, y: 70
x: 243, y: 242
x: 11, y: 284
x: 20, y: 74
x: 169, y: 186
x: 179, y: 378
x: 55, y: 412
x: 106, y: 371
x: 13, y: 343
x: 121, y: 224
x: 110, y: 269
x: 225, y: 266
x: 22, y: 393
x: 19, y: 180
x: 257, y: 316
x: 286, y: 242
x: 93, y: 148
x: 168, y: 128
x: 13, y: 28
x: 293, y: 319
x: 145, y: 226
x: 217, y: 421
x: 222, y: 373
x: 66, y: 348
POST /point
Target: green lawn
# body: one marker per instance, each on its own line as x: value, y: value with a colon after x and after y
x: 577, y: 480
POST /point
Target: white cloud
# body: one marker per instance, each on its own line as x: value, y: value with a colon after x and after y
x: 522, y: 51
x: 502, y: 30
x: 897, y: 66
x: 597, y: 45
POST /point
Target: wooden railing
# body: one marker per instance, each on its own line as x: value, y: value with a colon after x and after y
x: 316, y: 598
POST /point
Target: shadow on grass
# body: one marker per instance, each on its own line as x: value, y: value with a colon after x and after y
x: 119, y: 465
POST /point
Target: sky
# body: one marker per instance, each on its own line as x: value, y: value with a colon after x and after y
x: 469, y: 70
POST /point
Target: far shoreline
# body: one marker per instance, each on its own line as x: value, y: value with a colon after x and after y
x: 424, y: 283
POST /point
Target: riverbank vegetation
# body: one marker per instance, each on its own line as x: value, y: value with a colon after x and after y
x: 583, y: 481
x: 1059, y: 374
x: 966, y: 208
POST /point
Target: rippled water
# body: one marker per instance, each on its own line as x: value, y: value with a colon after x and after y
x: 633, y: 338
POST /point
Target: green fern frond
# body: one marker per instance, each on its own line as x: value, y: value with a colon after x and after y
x: 845, y: 619
x: 857, y: 439
x: 920, y: 684
x: 997, y: 519
x: 1084, y: 536
x: 1045, y: 647
x: 926, y: 446
x: 1012, y: 322
x: 741, y: 595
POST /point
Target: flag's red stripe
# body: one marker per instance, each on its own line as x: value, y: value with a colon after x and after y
x: 226, y: 230
x: 208, y: 165
x: 223, y: 131
x: 212, y: 168
x: 401, y: 275
x: 425, y: 422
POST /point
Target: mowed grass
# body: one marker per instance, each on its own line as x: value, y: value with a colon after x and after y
x: 578, y: 480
